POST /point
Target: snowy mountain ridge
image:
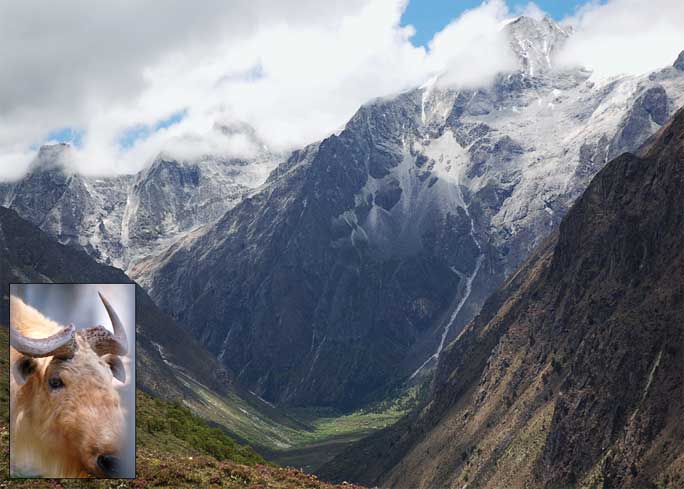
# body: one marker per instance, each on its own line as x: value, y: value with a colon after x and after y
x: 118, y: 219
x: 536, y: 42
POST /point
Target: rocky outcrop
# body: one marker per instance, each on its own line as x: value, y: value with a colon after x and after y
x: 679, y: 62
x: 79, y: 211
x: 172, y: 197
x: 649, y: 112
x: 535, y: 42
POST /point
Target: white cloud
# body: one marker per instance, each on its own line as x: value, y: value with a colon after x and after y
x: 294, y: 70
x: 472, y: 49
x: 295, y: 78
x: 626, y: 36
x: 530, y: 9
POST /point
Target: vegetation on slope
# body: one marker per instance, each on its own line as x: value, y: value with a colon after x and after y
x: 175, y: 449
x: 303, y: 438
x: 171, y: 427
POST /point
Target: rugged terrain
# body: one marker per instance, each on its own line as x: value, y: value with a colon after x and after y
x: 356, y: 262
x: 364, y: 254
x: 572, y: 374
x: 117, y: 220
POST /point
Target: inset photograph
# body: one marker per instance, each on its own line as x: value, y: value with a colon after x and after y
x: 72, y: 381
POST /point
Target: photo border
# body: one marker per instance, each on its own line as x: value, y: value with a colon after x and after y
x: 9, y: 476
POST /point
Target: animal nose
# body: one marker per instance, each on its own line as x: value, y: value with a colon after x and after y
x: 109, y: 464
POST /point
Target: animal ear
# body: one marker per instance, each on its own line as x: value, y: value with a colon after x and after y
x: 116, y: 366
x: 23, y: 368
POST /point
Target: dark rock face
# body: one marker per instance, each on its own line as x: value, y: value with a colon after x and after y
x: 307, y: 289
x: 679, y: 62
x: 651, y: 107
x: 27, y: 254
x: 485, y: 154
x: 389, y: 194
x: 53, y: 183
x: 572, y: 373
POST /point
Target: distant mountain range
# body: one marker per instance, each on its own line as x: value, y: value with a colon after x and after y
x: 117, y: 220
x: 360, y: 257
x: 572, y: 375
x: 517, y: 248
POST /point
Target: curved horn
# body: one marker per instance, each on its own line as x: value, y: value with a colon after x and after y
x: 101, y: 340
x: 61, y: 344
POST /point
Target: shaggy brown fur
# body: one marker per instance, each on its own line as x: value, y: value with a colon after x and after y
x: 61, y: 432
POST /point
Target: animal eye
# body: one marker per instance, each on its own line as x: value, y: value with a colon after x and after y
x: 55, y: 383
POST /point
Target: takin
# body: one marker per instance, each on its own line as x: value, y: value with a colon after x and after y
x: 66, y: 417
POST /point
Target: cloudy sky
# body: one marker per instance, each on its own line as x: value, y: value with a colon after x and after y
x: 125, y: 80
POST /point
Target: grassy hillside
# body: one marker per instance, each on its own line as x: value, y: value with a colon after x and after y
x: 302, y: 438
x: 173, y: 428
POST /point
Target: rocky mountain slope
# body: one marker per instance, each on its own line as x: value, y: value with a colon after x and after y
x: 572, y: 375
x: 79, y: 211
x: 117, y: 220
x: 364, y: 254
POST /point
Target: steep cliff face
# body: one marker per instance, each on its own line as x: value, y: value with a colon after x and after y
x: 572, y: 375
x: 172, y: 197
x: 79, y: 211
x: 364, y: 254
x: 536, y: 42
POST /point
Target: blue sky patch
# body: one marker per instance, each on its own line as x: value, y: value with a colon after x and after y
x: 142, y: 131
x: 431, y: 16
x: 71, y: 135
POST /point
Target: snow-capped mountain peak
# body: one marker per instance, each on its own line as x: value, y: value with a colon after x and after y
x: 51, y: 157
x: 535, y: 42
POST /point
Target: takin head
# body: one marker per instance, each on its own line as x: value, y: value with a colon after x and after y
x: 66, y: 414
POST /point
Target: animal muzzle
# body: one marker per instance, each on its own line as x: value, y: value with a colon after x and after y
x: 110, y: 465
